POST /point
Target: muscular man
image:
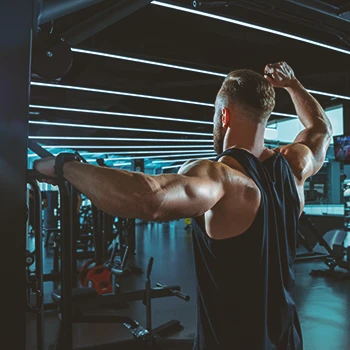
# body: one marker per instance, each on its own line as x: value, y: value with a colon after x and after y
x: 245, y: 204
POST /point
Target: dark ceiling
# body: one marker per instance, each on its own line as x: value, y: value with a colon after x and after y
x: 175, y: 37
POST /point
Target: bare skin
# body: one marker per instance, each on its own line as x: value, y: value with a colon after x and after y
x: 220, y: 194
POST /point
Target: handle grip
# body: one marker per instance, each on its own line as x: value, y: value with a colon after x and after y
x: 150, y: 265
x: 180, y: 295
x: 176, y: 293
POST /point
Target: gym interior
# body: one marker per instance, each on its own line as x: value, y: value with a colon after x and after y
x: 131, y: 84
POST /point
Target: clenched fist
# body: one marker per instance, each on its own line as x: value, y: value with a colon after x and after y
x: 280, y: 75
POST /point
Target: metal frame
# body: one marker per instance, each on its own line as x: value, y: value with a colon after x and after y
x: 15, y: 60
x: 39, y: 280
x: 103, y: 20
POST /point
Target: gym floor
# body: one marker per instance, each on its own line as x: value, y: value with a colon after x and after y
x: 323, y: 303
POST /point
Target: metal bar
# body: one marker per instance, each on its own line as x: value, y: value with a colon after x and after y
x: 312, y: 227
x: 104, y: 319
x: 38, y: 265
x: 97, y: 234
x: 148, y: 296
x: 102, y: 219
x: 103, y: 20
x: 53, y: 9
x: 135, y: 295
x: 15, y: 62
x: 66, y: 268
x: 41, y: 152
x: 74, y: 231
x: 210, y: 4
x: 320, y: 7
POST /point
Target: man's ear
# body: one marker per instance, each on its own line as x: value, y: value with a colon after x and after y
x: 225, y: 117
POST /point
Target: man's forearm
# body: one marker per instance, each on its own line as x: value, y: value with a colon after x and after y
x: 117, y: 192
x: 310, y: 112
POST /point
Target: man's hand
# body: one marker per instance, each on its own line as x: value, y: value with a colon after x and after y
x: 280, y: 75
x: 45, y: 167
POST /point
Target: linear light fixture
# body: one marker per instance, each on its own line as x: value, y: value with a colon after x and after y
x: 96, y: 53
x: 66, y: 109
x: 90, y: 111
x: 122, y: 164
x: 154, y: 152
x: 125, y: 147
x: 158, y: 154
x: 284, y: 115
x: 177, y: 160
x: 80, y: 88
x: 150, y: 157
x: 154, y: 63
x: 328, y: 94
x: 172, y: 166
x: 88, y: 126
x: 115, y: 139
x: 249, y: 25
x: 71, y: 87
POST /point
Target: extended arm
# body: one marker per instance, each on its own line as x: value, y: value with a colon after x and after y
x: 137, y: 195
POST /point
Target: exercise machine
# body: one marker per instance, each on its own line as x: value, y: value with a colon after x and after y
x: 334, y: 255
x: 75, y: 303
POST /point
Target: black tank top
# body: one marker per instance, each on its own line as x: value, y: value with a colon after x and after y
x: 245, y: 283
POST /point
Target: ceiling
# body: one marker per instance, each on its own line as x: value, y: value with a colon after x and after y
x: 175, y: 37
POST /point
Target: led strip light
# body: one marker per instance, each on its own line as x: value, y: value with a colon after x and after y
x: 125, y: 147
x: 177, y: 160
x: 158, y: 153
x: 113, y: 139
x: 172, y: 166
x: 121, y: 164
x: 182, y: 160
x: 90, y: 111
x: 249, y: 25
x: 80, y: 88
x: 119, y: 128
x: 193, y: 70
x: 153, y: 152
x: 150, y: 157
x: 154, y: 63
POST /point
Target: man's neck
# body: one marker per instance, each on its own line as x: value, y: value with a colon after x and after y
x: 249, y: 138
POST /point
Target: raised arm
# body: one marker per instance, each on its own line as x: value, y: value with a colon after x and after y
x: 308, y: 151
x: 195, y: 190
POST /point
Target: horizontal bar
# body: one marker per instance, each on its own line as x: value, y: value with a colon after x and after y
x: 121, y: 114
x: 125, y: 147
x: 172, y: 166
x: 102, y: 127
x: 120, y: 93
x: 114, y: 139
x: 154, y: 63
x: 152, y: 152
x: 151, y: 157
x: 177, y: 160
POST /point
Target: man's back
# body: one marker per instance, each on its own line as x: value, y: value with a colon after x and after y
x: 245, y: 283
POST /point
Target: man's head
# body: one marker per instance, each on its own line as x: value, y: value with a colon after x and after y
x: 245, y: 96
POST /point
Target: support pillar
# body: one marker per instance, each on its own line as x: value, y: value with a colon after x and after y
x: 16, y: 17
